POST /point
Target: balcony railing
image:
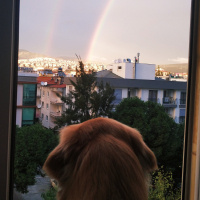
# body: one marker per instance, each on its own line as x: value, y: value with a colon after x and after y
x: 56, y: 101
x: 55, y: 114
x: 182, y: 101
x: 169, y: 100
x: 57, y: 89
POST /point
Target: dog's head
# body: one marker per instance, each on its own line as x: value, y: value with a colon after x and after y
x: 101, y: 159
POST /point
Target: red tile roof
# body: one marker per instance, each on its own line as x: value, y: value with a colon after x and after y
x: 50, y: 82
x: 58, y: 86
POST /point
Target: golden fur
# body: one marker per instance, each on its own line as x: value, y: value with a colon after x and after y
x: 101, y: 159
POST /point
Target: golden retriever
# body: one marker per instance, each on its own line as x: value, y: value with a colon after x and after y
x: 101, y: 159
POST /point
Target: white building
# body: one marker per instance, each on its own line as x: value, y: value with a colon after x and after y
x: 128, y: 70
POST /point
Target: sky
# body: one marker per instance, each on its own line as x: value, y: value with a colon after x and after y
x: 105, y: 30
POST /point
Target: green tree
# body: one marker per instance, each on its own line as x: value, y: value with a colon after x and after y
x: 162, y: 187
x: 89, y: 99
x: 159, y: 131
x: 33, y: 144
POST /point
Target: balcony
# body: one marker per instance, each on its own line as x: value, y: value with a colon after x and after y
x: 55, y: 114
x: 169, y: 102
x: 56, y: 101
x: 57, y: 89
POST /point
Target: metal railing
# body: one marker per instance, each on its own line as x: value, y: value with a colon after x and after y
x: 169, y: 100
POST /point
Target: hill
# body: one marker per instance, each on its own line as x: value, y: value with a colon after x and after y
x: 24, y: 54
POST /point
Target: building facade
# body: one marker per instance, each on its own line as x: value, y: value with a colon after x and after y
x: 50, y: 105
x: 26, y: 98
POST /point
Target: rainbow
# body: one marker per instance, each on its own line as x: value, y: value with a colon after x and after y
x: 51, y: 27
x: 98, y: 29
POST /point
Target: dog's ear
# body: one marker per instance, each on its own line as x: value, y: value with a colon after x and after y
x: 144, y: 153
x: 59, y: 163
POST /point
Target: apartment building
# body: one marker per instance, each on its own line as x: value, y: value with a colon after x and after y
x: 138, y: 80
x: 49, y: 105
x: 26, y: 97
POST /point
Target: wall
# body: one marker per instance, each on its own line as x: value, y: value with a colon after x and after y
x: 145, y: 95
x: 145, y: 71
x: 19, y: 117
x: 124, y: 93
x: 126, y: 70
x: 160, y: 96
x: 19, y: 94
x: 46, y: 99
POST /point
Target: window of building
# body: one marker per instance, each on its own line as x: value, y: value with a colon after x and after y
x: 42, y: 104
x: 183, y: 98
x: 119, y: 67
x: 47, y: 118
x: 43, y: 92
x: 153, y: 95
x: 47, y: 106
x: 48, y: 93
x: 29, y: 94
x: 70, y: 88
x: 42, y: 116
x: 28, y: 115
x: 118, y: 96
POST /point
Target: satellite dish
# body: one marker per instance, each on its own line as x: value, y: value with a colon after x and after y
x: 39, y: 106
x: 42, y: 83
x: 45, y: 83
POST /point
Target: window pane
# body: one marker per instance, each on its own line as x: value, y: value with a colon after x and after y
x: 29, y: 94
x: 28, y: 115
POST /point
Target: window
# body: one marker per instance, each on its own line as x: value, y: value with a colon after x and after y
x: 43, y: 92
x: 42, y: 116
x: 47, y: 118
x: 118, y: 95
x: 183, y: 98
x: 48, y: 93
x: 28, y: 115
x: 29, y: 94
x: 47, y: 106
x: 119, y: 67
x: 70, y: 88
x: 42, y: 104
x: 153, y: 95
x: 10, y: 26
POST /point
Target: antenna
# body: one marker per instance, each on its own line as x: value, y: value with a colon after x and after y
x: 138, y: 55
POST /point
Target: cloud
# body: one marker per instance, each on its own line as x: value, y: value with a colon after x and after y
x: 179, y: 60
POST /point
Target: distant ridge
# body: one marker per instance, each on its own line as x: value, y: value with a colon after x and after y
x: 24, y: 54
x: 175, y: 68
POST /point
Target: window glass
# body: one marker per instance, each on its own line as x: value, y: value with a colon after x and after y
x: 153, y: 95
x: 29, y: 94
x: 110, y: 37
x: 28, y: 115
x: 118, y: 96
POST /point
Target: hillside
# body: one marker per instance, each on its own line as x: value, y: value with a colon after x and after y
x: 24, y: 54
